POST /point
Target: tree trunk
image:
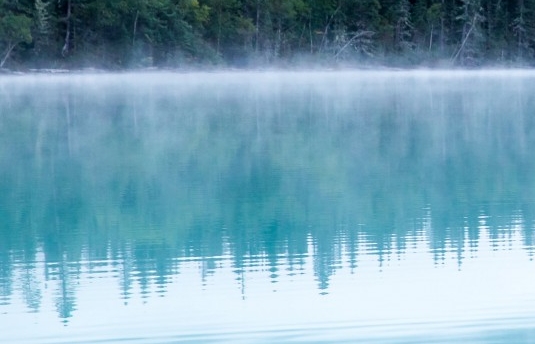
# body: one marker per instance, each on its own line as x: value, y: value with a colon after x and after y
x: 278, y: 45
x: 67, y: 45
x: 327, y: 26
x: 135, y: 28
x: 442, y: 30
x: 431, y: 38
x: 310, y: 34
x: 465, y: 38
x: 257, y: 24
x: 10, y: 47
x: 218, y: 29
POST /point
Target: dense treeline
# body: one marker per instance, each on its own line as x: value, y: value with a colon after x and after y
x: 143, y: 33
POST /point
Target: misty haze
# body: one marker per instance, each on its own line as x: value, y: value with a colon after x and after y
x: 334, y: 206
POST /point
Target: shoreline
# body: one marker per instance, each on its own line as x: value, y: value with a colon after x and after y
x: 297, y: 69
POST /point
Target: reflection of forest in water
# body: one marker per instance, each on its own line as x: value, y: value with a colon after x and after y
x: 143, y: 179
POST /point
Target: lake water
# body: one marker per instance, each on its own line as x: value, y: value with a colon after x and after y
x: 268, y: 207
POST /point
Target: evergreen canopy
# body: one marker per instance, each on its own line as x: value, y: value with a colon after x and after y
x: 174, y: 33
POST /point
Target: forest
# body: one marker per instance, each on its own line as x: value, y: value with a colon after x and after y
x: 131, y: 34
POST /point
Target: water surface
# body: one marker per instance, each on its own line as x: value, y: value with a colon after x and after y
x: 268, y: 207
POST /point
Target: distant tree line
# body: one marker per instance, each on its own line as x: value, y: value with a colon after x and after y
x: 173, y: 33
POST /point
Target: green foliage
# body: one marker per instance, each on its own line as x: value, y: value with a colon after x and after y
x: 136, y: 33
x: 15, y: 28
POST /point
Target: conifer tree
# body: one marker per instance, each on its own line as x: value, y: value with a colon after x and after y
x: 43, y: 27
x: 472, y: 35
x: 523, y: 31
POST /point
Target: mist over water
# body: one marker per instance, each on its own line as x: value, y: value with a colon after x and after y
x: 260, y: 206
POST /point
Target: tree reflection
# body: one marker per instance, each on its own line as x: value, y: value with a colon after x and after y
x: 271, y: 176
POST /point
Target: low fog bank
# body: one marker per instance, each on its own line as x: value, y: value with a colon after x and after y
x: 329, y: 83
x: 309, y: 74
x: 284, y: 68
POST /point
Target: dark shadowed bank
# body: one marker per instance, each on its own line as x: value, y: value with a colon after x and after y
x: 132, y: 34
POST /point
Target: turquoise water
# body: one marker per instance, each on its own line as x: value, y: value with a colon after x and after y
x: 268, y: 207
